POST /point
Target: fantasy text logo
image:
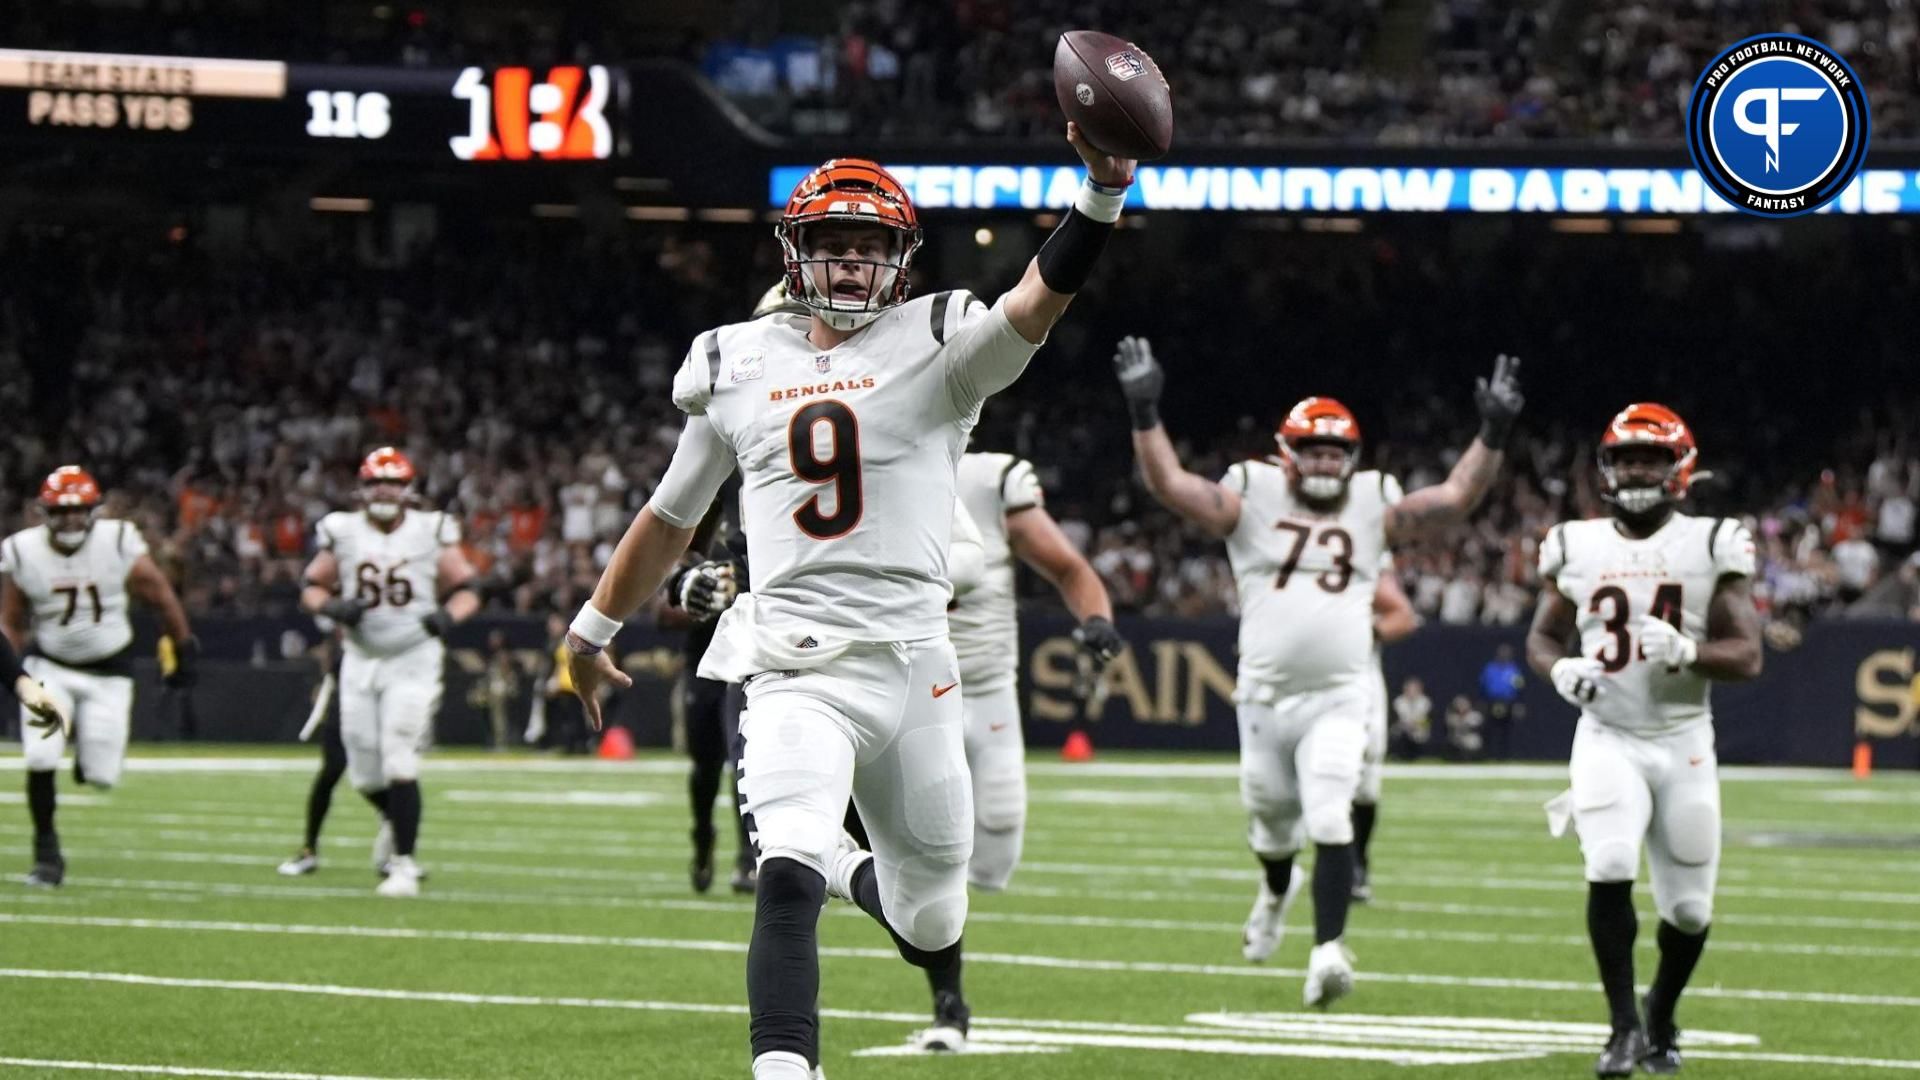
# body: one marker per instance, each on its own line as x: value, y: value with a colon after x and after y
x: 1778, y: 125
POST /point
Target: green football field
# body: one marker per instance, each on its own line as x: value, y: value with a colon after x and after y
x: 557, y: 935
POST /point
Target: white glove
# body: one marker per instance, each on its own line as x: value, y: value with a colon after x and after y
x: 708, y: 589
x: 1660, y: 643
x: 1578, y: 679
x: 46, y: 712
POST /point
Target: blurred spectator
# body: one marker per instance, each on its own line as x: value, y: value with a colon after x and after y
x: 1501, y: 682
x: 1412, y: 721
x: 1464, y: 740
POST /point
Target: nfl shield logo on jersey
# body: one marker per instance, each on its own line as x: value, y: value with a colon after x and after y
x: 750, y: 366
x: 823, y: 363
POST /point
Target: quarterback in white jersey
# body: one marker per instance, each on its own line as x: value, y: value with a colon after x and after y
x: 394, y: 579
x: 1639, y: 611
x: 847, y: 427
x: 1393, y: 619
x: 68, y: 587
x: 1004, y: 498
x: 1306, y: 533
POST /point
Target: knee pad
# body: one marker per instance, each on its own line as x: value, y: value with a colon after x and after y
x: 928, y: 908
x: 1691, y: 914
x: 1000, y: 802
x: 995, y: 854
x: 1332, y: 824
x: 1278, y: 836
x: 1692, y: 832
x: 1611, y: 860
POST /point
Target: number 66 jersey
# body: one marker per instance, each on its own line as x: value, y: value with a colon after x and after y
x: 1617, y: 584
x: 393, y: 573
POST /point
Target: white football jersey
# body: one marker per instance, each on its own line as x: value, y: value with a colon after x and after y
x: 1616, y: 584
x: 79, y: 600
x: 396, y: 574
x: 984, y: 624
x: 847, y: 457
x: 1306, y: 580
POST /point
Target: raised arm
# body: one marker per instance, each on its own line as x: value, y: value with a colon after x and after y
x: 1213, y: 507
x: 1067, y: 257
x: 1449, y: 502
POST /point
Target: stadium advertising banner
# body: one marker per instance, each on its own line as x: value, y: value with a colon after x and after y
x: 562, y: 113
x: 1360, y: 189
x: 1172, y: 689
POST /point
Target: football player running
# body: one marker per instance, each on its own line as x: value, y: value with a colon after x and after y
x: 847, y: 427
x: 1306, y: 532
x: 394, y: 579
x: 1655, y: 605
x: 68, y: 584
x: 1393, y: 619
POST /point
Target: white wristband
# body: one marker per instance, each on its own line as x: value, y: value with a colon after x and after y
x: 593, y: 627
x: 1099, y: 203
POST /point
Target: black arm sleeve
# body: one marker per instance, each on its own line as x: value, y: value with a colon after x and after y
x: 10, y: 670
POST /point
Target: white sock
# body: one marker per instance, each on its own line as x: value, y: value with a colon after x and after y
x: 781, y: 1065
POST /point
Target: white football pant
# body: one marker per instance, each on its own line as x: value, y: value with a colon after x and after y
x: 387, y: 706
x: 1664, y: 790
x: 1300, y: 760
x: 997, y: 759
x: 102, y: 710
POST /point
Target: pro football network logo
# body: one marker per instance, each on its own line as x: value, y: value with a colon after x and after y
x: 1778, y: 125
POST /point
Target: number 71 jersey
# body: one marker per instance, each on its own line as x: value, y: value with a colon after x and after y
x: 393, y: 574
x: 1617, y: 584
x: 1306, y: 580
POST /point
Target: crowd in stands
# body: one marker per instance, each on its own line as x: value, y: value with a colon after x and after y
x: 224, y: 398
x: 1243, y: 71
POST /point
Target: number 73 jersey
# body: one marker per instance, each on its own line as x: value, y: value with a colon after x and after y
x: 394, y: 574
x: 1306, y: 579
x: 1618, y: 584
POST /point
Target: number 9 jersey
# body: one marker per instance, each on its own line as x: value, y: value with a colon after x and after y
x: 393, y: 574
x: 1306, y: 578
x: 1617, y: 583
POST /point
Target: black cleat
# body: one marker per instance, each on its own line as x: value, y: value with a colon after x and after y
x: 46, y: 874
x: 1362, y: 891
x: 1663, y: 1043
x: 951, y: 1021
x: 1623, y: 1053
x: 701, y: 869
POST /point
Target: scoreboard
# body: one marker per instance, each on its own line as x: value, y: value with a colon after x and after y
x: 560, y: 113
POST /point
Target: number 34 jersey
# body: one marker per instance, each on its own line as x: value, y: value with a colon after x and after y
x: 1618, y: 584
x: 393, y: 574
x: 847, y: 458
x: 1306, y: 579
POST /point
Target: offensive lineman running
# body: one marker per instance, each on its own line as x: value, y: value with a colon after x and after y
x: 399, y: 563
x: 72, y: 578
x: 1305, y: 536
x: 1661, y: 604
x: 847, y: 427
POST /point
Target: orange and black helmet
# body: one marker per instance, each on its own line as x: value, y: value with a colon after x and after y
x: 849, y: 191
x: 1648, y: 424
x: 386, y: 466
x: 1318, y: 420
x: 69, y: 486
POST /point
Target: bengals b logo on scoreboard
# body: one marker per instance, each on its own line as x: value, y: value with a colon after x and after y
x: 510, y: 117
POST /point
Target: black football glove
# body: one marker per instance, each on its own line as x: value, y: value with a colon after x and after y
x: 343, y: 611
x: 186, y: 664
x: 708, y: 589
x: 1141, y: 380
x: 1499, y: 401
x: 437, y: 622
x: 1099, y: 640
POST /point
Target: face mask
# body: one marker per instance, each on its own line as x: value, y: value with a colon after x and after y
x: 383, y: 510
x: 1322, y: 487
x: 70, y: 539
x: 1639, y: 500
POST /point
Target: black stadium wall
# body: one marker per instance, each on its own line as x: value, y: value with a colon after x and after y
x: 1172, y: 690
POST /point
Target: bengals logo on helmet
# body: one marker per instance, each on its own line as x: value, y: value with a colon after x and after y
x: 1319, y: 420
x: 386, y: 466
x: 69, y: 485
x: 1648, y: 424
x: 851, y: 191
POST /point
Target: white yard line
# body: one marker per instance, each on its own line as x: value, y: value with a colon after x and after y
x: 1009, y: 959
x: 1199, y: 1038
x: 172, y: 1070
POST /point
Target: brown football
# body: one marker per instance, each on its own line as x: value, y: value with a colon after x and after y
x: 1115, y: 92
